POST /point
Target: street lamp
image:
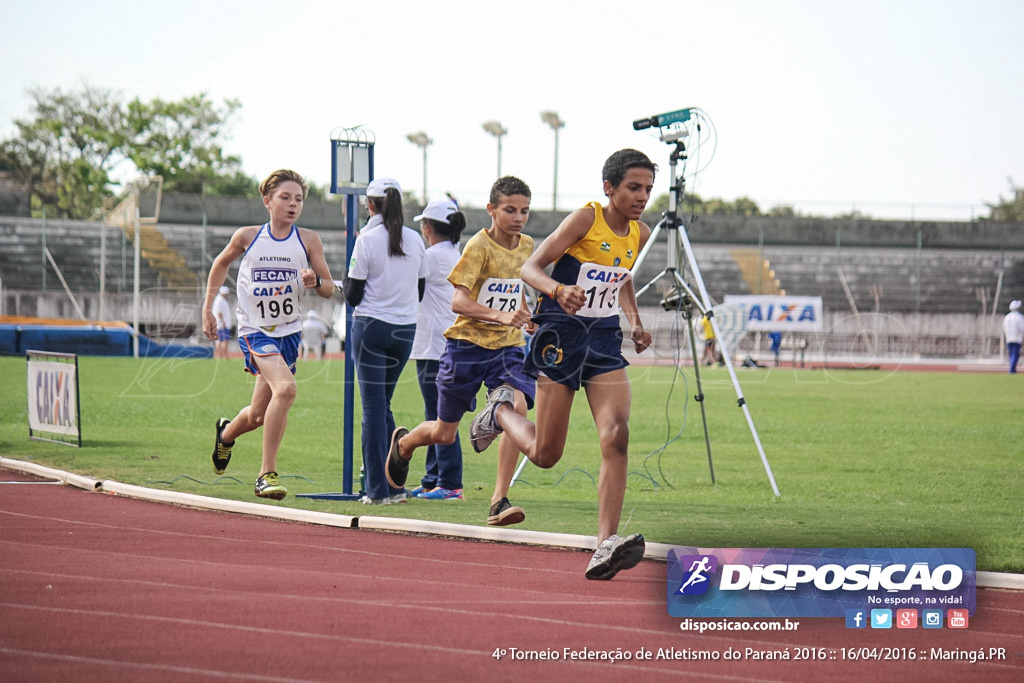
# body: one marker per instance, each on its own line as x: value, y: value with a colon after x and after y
x: 498, y: 131
x: 553, y: 120
x: 421, y: 140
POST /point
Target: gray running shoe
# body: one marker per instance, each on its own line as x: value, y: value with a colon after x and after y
x: 484, y: 429
x: 615, y: 554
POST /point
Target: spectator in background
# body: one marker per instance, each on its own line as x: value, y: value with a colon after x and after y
x: 222, y: 312
x: 1013, y: 331
x: 710, y: 355
x: 314, y: 336
x: 386, y: 279
x: 441, y: 224
x: 775, y: 337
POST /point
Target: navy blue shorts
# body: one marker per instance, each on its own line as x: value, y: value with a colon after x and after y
x: 259, y: 344
x: 464, y: 366
x: 570, y: 350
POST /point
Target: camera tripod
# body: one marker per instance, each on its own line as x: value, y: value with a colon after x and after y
x: 682, y: 298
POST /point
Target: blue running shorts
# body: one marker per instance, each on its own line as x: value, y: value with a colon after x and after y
x: 259, y: 344
x: 464, y: 366
x: 572, y: 350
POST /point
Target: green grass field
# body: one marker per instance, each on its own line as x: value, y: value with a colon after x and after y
x: 862, y: 458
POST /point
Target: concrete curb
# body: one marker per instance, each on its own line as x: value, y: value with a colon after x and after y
x: 654, y: 551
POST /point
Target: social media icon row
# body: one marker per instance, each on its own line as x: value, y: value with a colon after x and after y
x: 905, y: 618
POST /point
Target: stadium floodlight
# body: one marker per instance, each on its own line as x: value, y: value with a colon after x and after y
x: 421, y: 140
x: 498, y: 131
x: 556, y: 123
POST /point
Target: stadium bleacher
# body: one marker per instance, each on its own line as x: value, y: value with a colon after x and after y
x: 952, y: 272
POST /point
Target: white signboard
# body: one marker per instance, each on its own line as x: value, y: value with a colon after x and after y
x: 53, y: 397
x: 767, y: 313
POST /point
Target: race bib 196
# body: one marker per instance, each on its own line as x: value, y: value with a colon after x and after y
x: 275, y: 296
x: 601, y: 284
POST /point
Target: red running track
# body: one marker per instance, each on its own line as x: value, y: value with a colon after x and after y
x: 95, y: 587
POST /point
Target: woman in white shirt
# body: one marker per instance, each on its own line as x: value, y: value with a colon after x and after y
x: 441, y: 224
x: 384, y: 284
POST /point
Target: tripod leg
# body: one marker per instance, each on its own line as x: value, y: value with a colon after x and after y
x: 742, y: 403
x: 706, y: 300
x: 519, y: 470
x: 700, y: 392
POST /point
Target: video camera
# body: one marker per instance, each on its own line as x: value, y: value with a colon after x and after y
x: 662, y: 120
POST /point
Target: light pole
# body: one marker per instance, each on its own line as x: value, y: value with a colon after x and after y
x: 556, y: 123
x: 498, y: 131
x: 421, y: 140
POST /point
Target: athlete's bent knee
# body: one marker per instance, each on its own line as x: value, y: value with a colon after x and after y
x: 615, y: 437
x: 288, y: 392
x: 546, y: 461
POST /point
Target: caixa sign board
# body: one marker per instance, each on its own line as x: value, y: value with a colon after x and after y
x: 770, y: 313
x: 53, y: 405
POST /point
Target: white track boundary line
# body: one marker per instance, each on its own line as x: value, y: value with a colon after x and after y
x: 654, y: 551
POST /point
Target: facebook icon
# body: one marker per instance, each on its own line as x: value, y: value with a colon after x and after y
x: 856, y: 618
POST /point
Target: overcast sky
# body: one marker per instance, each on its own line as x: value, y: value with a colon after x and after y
x: 895, y: 107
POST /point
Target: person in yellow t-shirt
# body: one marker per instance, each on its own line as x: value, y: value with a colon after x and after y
x: 485, y: 345
x: 710, y: 355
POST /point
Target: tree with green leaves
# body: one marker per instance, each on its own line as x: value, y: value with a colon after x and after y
x: 1009, y: 209
x: 180, y: 141
x: 67, y: 150
x: 782, y: 211
x: 691, y: 203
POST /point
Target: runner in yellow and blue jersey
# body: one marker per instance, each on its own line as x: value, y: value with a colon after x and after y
x: 578, y: 342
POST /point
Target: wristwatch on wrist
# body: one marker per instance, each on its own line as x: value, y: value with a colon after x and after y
x: 319, y: 281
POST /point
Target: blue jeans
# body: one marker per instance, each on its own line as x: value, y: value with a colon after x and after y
x: 381, y: 351
x: 444, y: 462
x: 1014, y: 349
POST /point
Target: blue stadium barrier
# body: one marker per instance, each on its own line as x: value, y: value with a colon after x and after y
x: 8, y: 340
x: 15, y: 340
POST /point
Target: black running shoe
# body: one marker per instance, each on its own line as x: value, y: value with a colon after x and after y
x: 396, y: 469
x: 221, y: 449
x: 504, y: 513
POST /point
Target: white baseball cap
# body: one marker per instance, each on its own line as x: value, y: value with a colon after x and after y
x: 225, y: 289
x: 377, y: 186
x: 1015, y: 305
x: 438, y: 210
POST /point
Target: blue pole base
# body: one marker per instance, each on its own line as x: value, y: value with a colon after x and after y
x: 329, y: 496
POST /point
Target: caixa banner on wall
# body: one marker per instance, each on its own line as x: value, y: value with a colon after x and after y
x: 770, y: 313
x: 817, y: 582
